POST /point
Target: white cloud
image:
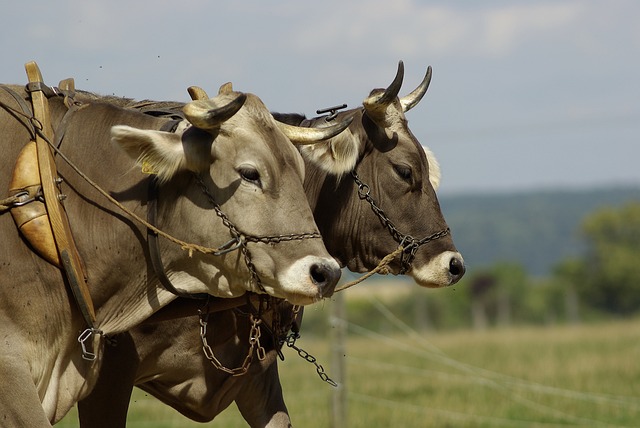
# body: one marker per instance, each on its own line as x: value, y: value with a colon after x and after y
x: 504, y: 29
x: 445, y: 29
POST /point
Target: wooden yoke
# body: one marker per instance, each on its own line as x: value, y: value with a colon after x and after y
x: 71, y: 263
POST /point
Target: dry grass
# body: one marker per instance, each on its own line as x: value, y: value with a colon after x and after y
x: 585, y: 375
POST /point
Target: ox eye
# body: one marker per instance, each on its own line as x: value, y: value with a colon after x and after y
x: 250, y: 174
x: 403, y: 172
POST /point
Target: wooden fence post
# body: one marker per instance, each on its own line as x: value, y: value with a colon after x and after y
x: 338, y: 329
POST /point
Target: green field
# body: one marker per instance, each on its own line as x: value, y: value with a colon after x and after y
x: 586, y: 375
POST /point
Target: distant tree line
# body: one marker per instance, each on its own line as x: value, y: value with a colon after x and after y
x: 602, y: 282
x: 535, y: 229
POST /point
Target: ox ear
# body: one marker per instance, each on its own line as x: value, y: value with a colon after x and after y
x: 337, y: 155
x: 165, y: 153
x: 434, y: 168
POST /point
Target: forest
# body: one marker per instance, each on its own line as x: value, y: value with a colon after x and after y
x: 534, y: 229
x: 539, y: 257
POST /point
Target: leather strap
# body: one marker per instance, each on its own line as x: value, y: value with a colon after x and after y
x: 39, y: 86
x: 182, y: 308
x: 154, y: 248
x: 67, y: 88
x: 26, y: 110
x: 71, y: 262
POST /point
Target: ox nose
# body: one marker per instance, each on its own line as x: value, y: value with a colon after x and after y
x: 325, y: 277
x: 456, y: 268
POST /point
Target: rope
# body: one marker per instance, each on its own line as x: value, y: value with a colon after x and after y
x: 190, y: 247
x: 7, y: 204
x: 381, y: 269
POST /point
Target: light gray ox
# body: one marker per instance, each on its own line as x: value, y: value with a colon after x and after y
x: 165, y: 357
x: 231, y: 152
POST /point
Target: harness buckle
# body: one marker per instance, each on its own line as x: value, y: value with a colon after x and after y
x: 229, y: 246
x: 22, y: 198
x: 83, y: 338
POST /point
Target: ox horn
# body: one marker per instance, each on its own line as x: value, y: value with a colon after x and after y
x: 205, y: 115
x: 297, y: 134
x: 301, y: 135
x: 408, y: 102
x: 381, y: 100
x: 197, y: 93
x: 225, y: 88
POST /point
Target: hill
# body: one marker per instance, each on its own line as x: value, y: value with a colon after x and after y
x: 535, y: 229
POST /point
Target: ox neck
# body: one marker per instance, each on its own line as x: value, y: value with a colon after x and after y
x: 154, y: 248
x: 122, y: 313
x: 339, y: 214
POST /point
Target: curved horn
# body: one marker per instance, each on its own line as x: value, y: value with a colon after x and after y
x: 303, y: 135
x: 205, y: 115
x: 408, y: 102
x: 390, y: 93
x: 225, y: 88
x: 197, y: 93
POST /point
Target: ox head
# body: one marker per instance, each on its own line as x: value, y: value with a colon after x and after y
x: 381, y: 191
x: 232, y: 154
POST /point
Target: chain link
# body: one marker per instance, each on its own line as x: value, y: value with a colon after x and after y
x: 254, y: 344
x: 277, y: 330
x: 243, y: 238
x: 290, y: 341
x: 409, y: 244
x: 267, y: 239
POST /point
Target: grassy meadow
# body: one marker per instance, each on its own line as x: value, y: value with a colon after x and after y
x: 584, y: 375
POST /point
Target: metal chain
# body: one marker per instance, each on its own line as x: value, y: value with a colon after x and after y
x: 409, y: 243
x: 290, y: 341
x: 243, y: 238
x: 254, y: 344
x: 267, y: 239
x: 267, y: 304
x: 239, y: 238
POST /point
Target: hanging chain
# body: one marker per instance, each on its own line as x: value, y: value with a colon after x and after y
x: 408, y: 248
x: 254, y: 344
x: 277, y: 330
x: 290, y: 341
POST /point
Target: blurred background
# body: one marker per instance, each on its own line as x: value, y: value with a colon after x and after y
x: 534, y: 115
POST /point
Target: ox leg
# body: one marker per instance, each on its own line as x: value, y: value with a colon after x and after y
x: 261, y: 402
x: 20, y: 404
x: 108, y: 403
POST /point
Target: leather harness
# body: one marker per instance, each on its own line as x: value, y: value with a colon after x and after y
x: 152, y: 236
x: 66, y: 256
x: 57, y: 216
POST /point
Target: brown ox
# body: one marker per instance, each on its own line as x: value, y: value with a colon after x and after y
x: 235, y: 155
x: 165, y: 358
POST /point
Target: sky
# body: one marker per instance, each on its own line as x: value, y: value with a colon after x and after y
x: 525, y: 95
